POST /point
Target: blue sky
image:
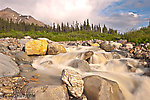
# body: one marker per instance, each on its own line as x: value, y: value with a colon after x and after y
x: 141, y: 8
x: 122, y: 15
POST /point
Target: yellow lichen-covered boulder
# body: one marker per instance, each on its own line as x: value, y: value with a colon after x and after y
x: 36, y: 47
x: 93, y: 44
x: 55, y: 48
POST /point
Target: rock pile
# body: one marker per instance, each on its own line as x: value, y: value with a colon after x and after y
x: 17, y: 73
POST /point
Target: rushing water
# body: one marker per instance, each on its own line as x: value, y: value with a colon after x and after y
x: 133, y: 85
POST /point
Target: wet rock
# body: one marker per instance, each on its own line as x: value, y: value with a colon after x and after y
x: 130, y: 62
x: 147, y: 73
x: 53, y: 93
x: 48, y: 62
x: 87, y: 55
x: 74, y: 82
x: 26, y: 68
x: 123, y: 53
x: 108, y: 55
x: 36, y: 47
x: 106, y: 47
x: 115, y: 55
x: 55, y: 48
x: 22, y: 58
x: 80, y: 64
x: 7, y: 66
x: 98, y: 88
x: 48, y: 92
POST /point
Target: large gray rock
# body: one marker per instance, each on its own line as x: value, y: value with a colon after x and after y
x: 22, y: 58
x: 55, y: 48
x: 80, y: 64
x: 74, y: 82
x: 106, y: 47
x: 51, y: 92
x: 7, y: 66
x: 98, y: 88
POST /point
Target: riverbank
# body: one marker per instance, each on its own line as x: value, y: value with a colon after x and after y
x: 76, y: 70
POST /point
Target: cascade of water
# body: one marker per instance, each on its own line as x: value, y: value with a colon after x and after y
x: 133, y: 86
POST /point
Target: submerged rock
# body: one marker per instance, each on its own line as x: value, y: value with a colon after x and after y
x: 36, y: 47
x: 55, y: 48
x: 74, y: 82
x: 7, y: 66
x: 80, y: 64
x: 98, y: 88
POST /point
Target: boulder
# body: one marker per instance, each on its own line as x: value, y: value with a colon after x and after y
x: 98, y: 88
x: 22, y: 58
x: 129, y: 46
x: 74, y: 82
x: 93, y: 44
x: 26, y: 68
x: 115, y: 55
x: 8, y: 66
x: 36, y: 47
x: 123, y: 53
x: 80, y: 64
x: 51, y: 92
x: 87, y: 55
x: 55, y: 48
x: 106, y: 47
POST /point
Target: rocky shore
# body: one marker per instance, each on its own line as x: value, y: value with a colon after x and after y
x: 74, y: 70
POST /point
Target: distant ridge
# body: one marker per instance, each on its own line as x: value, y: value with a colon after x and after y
x: 8, y: 13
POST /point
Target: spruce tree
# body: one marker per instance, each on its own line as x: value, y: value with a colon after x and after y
x: 58, y: 28
x: 88, y: 25
x: 54, y: 28
x: 104, y: 29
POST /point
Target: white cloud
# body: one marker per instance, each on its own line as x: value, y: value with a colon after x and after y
x: 133, y: 14
x: 58, y: 11
x: 123, y: 21
x: 70, y: 10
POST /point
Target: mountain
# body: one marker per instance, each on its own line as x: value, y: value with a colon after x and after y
x: 8, y: 13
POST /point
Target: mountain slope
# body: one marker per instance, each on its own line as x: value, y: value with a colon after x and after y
x: 8, y: 13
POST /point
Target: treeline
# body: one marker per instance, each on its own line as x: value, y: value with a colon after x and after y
x: 138, y: 36
x: 8, y: 25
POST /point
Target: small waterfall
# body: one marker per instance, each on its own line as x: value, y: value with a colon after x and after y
x: 133, y: 86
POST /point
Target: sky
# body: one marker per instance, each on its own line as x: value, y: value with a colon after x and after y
x: 123, y: 15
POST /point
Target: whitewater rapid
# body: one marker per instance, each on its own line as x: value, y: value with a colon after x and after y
x: 133, y: 85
